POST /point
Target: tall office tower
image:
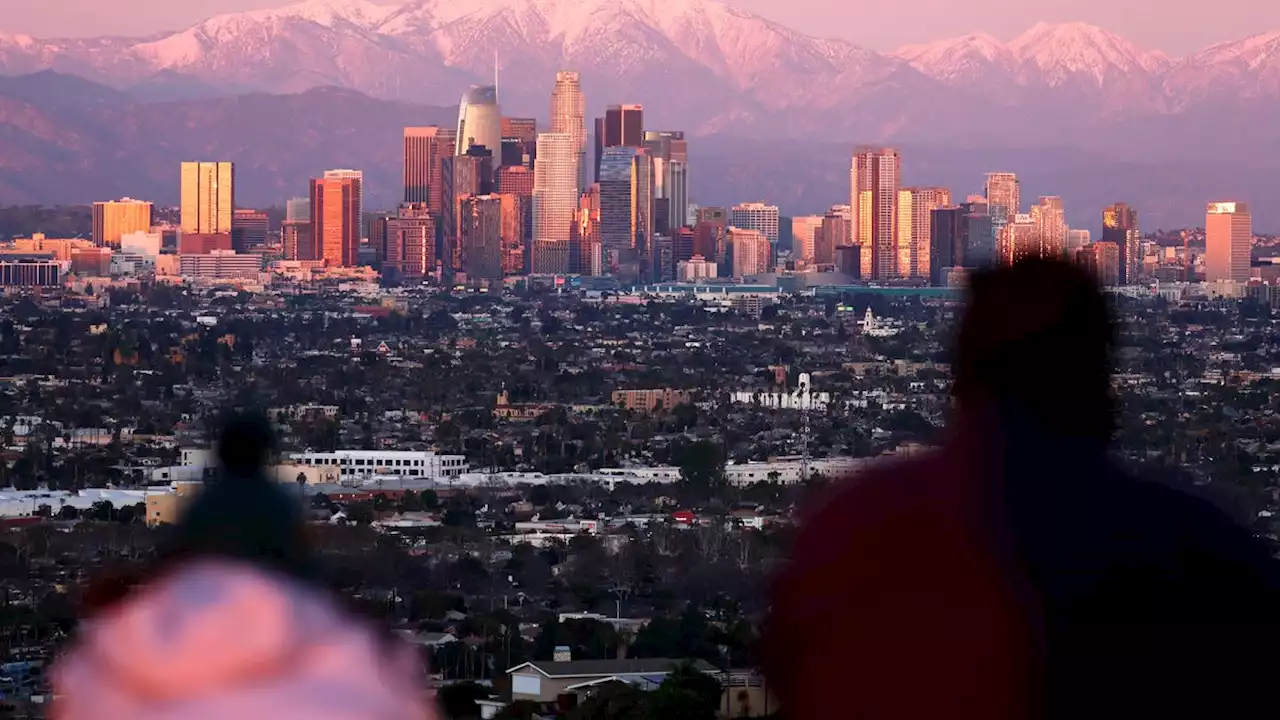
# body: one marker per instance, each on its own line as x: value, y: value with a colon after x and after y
x: 756, y: 216
x: 803, y: 230
x: 461, y: 176
x: 249, y: 229
x: 670, y: 153
x: 915, y: 220
x: 981, y: 248
x: 425, y: 149
x: 751, y: 251
x: 335, y: 220
x: 117, y: 218
x: 1003, y: 194
x: 626, y: 205
x: 515, y: 214
x: 624, y: 126
x: 1102, y: 261
x: 874, y: 177
x: 519, y: 142
x: 208, y: 197
x: 1120, y: 226
x: 297, y: 209
x: 410, y: 248
x: 948, y: 237
x: 519, y: 181
x: 569, y: 117
x: 621, y: 126
x: 480, y: 235
x: 358, y: 175
x: 682, y: 244
x: 1228, y: 241
x: 1051, y: 224
x: 587, y: 258
x: 479, y: 120
x: 297, y: 238
x: 555, y: 199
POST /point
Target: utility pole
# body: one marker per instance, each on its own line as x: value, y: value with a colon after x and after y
x: 805, y: 397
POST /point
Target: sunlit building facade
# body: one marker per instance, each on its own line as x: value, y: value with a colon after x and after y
x: 479, y: 120
x: 208, y: 197
x: 1228, y: 242
x: 874, y: 179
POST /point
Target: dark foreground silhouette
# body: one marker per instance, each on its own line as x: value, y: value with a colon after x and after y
x: 1017, y: 572
x: 234, y: 621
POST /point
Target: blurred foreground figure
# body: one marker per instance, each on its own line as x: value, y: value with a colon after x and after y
x: 1017, y: 573
x: 233, y: 624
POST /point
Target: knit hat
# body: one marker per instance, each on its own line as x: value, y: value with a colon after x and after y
x: 242, y: 514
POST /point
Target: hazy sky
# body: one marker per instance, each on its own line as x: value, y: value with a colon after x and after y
x: 1175, y: 26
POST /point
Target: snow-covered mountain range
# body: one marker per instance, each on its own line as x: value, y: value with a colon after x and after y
x: 704, y: 65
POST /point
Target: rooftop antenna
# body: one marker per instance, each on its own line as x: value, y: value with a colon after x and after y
x: 495, y: 74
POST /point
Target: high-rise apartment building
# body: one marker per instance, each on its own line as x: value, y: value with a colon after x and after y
x: 915, y: 220
x: 756, y: 216
x: 1051, y: 224
x: 117, y: 218
x: 1120, y: 226
x: 479, y: 120
x: 1228, y: 242
x: 1102, y: 260
x: 834, y: 233
x: 1003, y: 194
x: 425, y: 149
x: 555, y: 191
x: 874, y: 176
x: 249, y: 229
x: 480, y: 235
x: 335, y: 220
x: 208, y: 197
x: 569, y: 117
x: 751, y: 252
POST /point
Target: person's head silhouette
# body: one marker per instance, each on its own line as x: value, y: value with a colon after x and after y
x: 1035, y: 343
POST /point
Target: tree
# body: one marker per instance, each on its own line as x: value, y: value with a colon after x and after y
x: 459, y: 700
x: 702, y: 467
x: 685, y: 694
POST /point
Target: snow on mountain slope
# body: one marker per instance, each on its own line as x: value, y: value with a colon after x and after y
x: 1047, y: 54
x: 1066, y: 50
x: 961, y: 60
x: 1248, y: 68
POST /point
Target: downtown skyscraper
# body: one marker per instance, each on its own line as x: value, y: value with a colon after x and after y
x: 1120, y: 226
x: 208, y: 197
x: 915, y: 222
x: 425, y: 149
x: 335, y: 219
x: 569, y: 117
x: 555, y: 200
x: 874, y: 177
x: 670, y: 153
x: 1228, y: 242
x: 480, y: 121
x: 621, y: 126
x: 117, y: 218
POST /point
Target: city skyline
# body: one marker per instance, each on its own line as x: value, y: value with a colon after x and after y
x: 884, y: 28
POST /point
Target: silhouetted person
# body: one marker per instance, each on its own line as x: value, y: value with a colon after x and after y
x: 233, y: 622
x: 1017, y: 572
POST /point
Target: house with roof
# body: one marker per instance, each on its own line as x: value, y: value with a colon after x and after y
x: 540, y: 681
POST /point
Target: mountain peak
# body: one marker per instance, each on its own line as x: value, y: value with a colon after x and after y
x: 1061, y: 50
